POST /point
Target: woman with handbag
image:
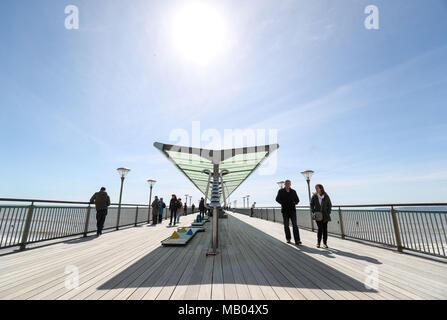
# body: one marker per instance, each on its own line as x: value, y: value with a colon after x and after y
x: 321, y: 206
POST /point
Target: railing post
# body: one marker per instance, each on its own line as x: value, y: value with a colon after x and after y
x: 396, y: 230
x: 87, y: 220
x: 136, y: 216
x: 27, y: 227
x: 342, y: 227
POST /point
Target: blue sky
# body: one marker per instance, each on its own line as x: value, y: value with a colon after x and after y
x: 365, y: 109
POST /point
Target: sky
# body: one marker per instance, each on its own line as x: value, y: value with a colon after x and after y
x: 364, y: 108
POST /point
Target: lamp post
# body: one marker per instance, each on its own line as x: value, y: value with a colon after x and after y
x: 243, y: 199
x: 151, y: 184
x: 248, y: 201
x: 307, y: 175
x: 281, y: 184
x: 122, y: 172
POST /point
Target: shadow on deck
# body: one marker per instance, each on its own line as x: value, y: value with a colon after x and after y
x: 246, y: 256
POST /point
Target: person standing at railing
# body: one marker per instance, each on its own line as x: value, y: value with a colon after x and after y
x: 252, y: 209
x: 321, y: 207
x: 102, y: 201
x: 173, y: 209
x: 202, y: 207
x: 180, y: 209
x: 288, y: 199
x: 161, y: 208
x: 186, y: 207
x: 193, y: 207
x: 155, y: 210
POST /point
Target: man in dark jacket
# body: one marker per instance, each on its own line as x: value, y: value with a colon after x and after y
x: 154, y: 206
x: 202, y: 208
x: 173, y: 206
x: 102, y: 201
x: 288, y: 199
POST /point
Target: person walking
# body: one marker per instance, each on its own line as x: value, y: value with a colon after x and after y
x: 202, y: 207
x: 173, y: 208
x: 288, y: 199
x: 155, y: 210
x: 321, y: 207
x: 180, y: 209
x: 161, y: 208
x: 102, y: 201
x: 193, y: 207
x: 252, y: 209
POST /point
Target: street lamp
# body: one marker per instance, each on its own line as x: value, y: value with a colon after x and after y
x: 123, y: 173
x: 281, y: 184
x: 248, y: 201
x: 151, y: 184
x: 243, y: 199
x: 307, y: 175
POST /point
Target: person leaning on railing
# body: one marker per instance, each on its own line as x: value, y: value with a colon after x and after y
x: 321, y: 206
x: 102, y: 201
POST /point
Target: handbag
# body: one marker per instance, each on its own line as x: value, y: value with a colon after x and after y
x: 317, y: 216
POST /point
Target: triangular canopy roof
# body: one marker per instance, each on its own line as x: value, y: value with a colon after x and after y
x: 240, y: 163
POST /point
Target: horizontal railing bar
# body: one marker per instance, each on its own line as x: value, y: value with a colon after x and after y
x: 66, y: 202
x: 423, y: 204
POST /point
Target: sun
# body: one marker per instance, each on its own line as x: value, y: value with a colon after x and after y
x: 198, y: 32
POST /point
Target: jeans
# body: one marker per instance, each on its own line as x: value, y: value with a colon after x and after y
x: 296, y: 232
x: 173, y: 212
x: 322, y: 231
x: 100, y: 219
x: 202, y: 213
x: 178, y: 216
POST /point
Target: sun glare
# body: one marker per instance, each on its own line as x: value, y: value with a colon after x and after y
x: 198, y: 32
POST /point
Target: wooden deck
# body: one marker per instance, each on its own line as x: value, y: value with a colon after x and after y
x: 254, y: 263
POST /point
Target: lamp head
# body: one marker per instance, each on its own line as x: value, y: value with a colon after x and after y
x: 307, y: 174
x: 123, y: 172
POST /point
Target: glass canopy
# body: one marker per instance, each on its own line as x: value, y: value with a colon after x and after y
x: 240, y: 163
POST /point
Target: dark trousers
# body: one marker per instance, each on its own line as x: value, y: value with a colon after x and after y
x: 160, y: 218
x: 296, y: 232
x: 202, y: 213
x: 251, y: 212
x: 322, y: 231
x: 154, y: 216
x: 100, y: 219
x: 173, y: 215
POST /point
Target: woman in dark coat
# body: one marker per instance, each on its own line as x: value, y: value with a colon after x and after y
x: 321, y: 202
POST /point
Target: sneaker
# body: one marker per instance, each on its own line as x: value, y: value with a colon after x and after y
x: 325, y: 246
x: 318, y: 245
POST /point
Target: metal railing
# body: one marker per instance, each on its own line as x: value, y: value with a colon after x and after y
x: 43, y: 220
x: 419, y: 227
